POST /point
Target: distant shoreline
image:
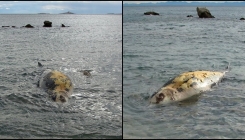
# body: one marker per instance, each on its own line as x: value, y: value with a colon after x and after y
x: 67, y: 13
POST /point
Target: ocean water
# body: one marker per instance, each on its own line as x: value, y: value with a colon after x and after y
x: 158, y: 48
x: 92, y: 42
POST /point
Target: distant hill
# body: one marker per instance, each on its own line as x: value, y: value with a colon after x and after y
x: 183, y: 3
x: 67, y: 13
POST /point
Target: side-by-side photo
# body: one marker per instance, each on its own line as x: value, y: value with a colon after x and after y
x: 183, y: 69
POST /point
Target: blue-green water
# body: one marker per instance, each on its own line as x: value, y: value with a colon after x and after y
x: 92, y: 42
x: 157, y: 48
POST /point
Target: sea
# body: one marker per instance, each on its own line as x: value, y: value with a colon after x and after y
x: 158, y: 48
x: 91, y: 42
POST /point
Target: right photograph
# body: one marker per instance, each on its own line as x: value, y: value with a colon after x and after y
x: 183, y: 69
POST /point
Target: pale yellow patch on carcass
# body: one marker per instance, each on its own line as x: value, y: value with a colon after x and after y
x: 62, y: 82
x: 185, y: 80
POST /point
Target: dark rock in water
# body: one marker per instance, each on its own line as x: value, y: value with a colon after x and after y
x: 86, y: 72
x: 39, y: 64
x: 29, y: 26
x: 47, y: 23
x: 151, y: 13
x: 11, y: 26
x: 62, y: 25
x: 203, y: 12
x: 189, y: 16
x: 242, y: 18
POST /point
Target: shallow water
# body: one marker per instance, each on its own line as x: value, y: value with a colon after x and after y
x: 158, y: 48
x: 92, y: 42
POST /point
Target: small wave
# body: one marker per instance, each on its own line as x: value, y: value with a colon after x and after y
x: 133, y: 55
x: 144, y: 68
x: 147, y: 28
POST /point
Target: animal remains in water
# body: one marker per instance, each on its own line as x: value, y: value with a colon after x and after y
x: 186, y: 85
x: 56, y: 84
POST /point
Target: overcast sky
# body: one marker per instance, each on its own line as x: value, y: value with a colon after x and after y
x: 137, y: 2
x: 56, y: 7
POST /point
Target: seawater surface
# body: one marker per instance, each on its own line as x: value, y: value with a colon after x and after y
x: 158, y: 48
x: 92, y: 42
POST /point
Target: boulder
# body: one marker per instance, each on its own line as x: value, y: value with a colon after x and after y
x: 151, y: 13
x: 242, y: 18
x: 29, y: 26
x: 203, y: 12
x: 47, y: 23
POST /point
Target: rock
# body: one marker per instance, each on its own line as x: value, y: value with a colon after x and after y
x: 39, y: 64
x: 9, y: 26
x: 203, y: 12
x: 47, y: 23
x: 242, y: 18
x: 189, y: 16
x: 86, y: 72
x: 62, y: 25
x: 29, y: 26
x: 151, y: 13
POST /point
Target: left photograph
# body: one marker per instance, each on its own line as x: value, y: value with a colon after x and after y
x: 61, y: 69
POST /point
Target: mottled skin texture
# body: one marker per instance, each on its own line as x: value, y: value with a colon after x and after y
x: 57, y: 84
x: 186, y: 85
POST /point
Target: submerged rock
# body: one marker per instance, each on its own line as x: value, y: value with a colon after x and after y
x: 151, y: 13
x: 203, y: 12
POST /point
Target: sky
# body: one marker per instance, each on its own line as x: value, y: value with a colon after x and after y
x: 57, y: 7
